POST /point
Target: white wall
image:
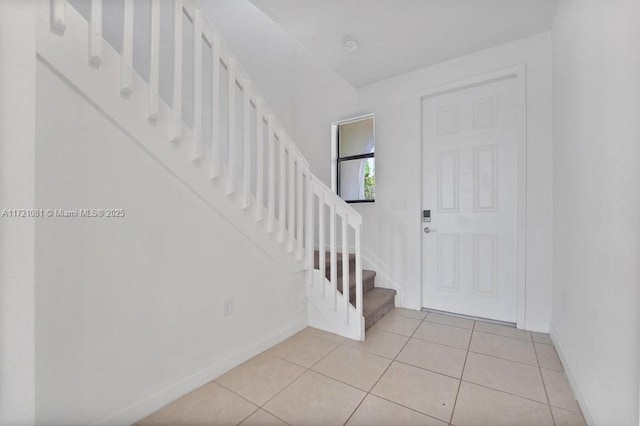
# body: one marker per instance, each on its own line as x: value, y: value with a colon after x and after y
x: 392, y: 235
x: 129, y: 310
x: 596, y: 276
x: 17, y: 191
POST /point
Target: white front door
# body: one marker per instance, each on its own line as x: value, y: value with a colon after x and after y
x: 470, y: 173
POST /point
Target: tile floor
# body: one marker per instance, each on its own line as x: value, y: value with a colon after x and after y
x: 413, y: 368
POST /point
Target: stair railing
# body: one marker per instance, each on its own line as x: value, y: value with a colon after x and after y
x: 326, y: 210
x: 288, y: 201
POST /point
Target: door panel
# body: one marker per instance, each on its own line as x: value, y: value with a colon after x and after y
x: 470, y: 186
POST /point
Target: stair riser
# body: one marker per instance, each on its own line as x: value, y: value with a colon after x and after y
x: 378, y: 314
x: 352, y: 263
x: 327, y: 272
x: 366, y: 286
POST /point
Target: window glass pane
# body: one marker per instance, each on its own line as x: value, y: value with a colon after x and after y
x: 356, y: 138
x: 358, y: 179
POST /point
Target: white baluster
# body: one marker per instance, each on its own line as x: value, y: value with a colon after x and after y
x: 282, y: 192
x: 58, y: 16
x: 300, y: 208
x: 271, y: 205
x: 292, y: 198
x: 231, y: 124
x: 154, y: 63
x: 197, y: 85
x: 345, y: 266
x: 322, y: 260
x: 332, y: 253
x: 95, y: 34
x: 176, y: 107
x: 126, y: 59
x: 359, y: 294
x: 246, y: 137
x: 215, y: 108
x: 259, y: 161
x: 308, y: 223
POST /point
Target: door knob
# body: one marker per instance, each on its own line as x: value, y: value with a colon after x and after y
x: 428, y: 230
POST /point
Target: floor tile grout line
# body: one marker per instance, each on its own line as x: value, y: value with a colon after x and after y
x: 263, y: 406
x: 423, y: 339
x: 406, y: 316
x: 367, y: 393
x: 544, y: 386
x: 391, y: 361
x: 504, y: 392
x: 254, y: 411
x: 329, y: 353
x: 230, y: 390
x: 386, y: 369
x: 407, y: 407
x: 307, y: 369
x: 274, y: 415
x: 555, y: 352
x: 502, y: 335
x: 300, y: 365
x: 429, y: 370
x: 447, y: 325
x: 505, y: 359
x: 320, y: 337
x: 464, y: 365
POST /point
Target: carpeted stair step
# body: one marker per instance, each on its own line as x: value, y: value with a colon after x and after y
x: 327, y: 256
x: 368, y: 282
x: 377, y: 302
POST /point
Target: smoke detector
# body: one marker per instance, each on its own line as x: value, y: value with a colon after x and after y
x: 350, y: 44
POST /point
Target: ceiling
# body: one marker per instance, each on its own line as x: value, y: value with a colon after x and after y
x: 398, y: 36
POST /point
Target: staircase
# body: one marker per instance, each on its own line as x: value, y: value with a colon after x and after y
x: 247, y: 168
x: 376, y: 301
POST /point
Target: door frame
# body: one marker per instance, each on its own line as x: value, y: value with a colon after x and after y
x: 519, y: 73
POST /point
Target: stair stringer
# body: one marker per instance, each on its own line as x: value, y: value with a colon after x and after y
x: 327, y: 310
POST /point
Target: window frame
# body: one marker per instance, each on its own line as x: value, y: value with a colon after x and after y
x: 337, y: 159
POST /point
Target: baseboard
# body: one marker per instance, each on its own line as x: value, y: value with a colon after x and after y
x: 143, y: 408
x: 585, y: 405
x: 536, y: 325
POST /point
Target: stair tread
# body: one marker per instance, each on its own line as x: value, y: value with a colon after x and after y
x: 367, y: 283
x: 375, y: 298
x: 376, y: 301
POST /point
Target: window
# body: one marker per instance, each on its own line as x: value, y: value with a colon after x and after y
x: 354, y: 177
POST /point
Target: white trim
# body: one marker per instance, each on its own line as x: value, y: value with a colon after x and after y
x: 519, y: 72
x: 583, y: 401
x: 334, y: 144
x: 355, y: 119
x: 145, y: 407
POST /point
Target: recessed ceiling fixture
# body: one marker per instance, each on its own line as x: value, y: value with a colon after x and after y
x: 350, y: 44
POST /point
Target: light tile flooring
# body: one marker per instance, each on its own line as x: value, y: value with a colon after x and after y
x: 413, y: 368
